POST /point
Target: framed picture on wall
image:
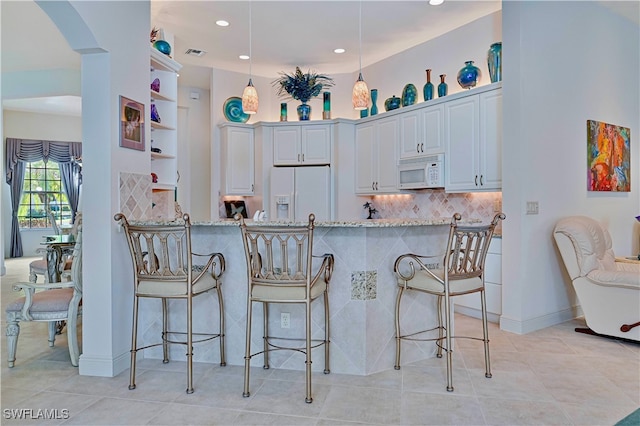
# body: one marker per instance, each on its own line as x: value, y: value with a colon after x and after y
x: 608, y: 157
x: 131, y: 124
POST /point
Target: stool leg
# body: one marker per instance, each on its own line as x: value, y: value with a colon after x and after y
x: 165, y: 327
x: 485, y: 335
x: 327, y: 340
x: 134, y: 343
x: 308, y: 399
x: 447, y: 318
x: 440, y: 328
x: 223, y: 360
x: 265, y: 334
x: 247, y: 350
x: 13, y: 331
x: 52, y: 326
x: 189, y: 345
x: 398, y: 339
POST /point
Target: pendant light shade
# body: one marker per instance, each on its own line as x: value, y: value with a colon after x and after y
x: 250, y: 99
x: 360, y: 94
x: 250, y: 94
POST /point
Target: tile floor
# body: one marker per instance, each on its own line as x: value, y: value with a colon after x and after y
x: 551, y: 377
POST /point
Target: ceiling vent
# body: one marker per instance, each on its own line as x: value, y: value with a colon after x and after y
x: 195, y: 52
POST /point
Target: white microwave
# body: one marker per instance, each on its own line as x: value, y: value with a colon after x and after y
x: 420, y: 173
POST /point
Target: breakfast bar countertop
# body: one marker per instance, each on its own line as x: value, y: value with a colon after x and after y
x: 363, y: 223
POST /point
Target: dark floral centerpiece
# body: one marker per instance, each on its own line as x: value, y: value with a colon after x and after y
x: 302, y: 87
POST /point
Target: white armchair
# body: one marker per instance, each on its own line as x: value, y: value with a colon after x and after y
x: 608, y: 290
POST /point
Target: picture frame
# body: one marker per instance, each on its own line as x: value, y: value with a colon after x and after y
x: 236, y: 206
x: 131, y: 124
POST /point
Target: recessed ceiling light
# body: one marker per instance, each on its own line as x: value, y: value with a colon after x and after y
x: 222, y: 23
x: 244, y: 57
x: 339, y: 50
x: 436, y: 2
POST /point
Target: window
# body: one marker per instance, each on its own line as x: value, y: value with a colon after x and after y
x: 43, y: 191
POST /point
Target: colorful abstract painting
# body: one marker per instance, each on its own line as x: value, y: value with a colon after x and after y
x: 608, y: 157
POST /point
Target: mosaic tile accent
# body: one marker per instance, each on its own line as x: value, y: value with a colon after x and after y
x: 364, y: 285
x: 135, y: 195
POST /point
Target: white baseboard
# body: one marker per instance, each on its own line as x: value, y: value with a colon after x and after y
x: 104, y: 367
x: 476, y: 313
x: 538, y: 323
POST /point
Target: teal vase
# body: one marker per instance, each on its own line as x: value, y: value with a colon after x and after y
x: 304, y: 112
x: 494, y: 61
x: 392, y: 103
x: 427, y: 90
x: 442, y: 87
x: 374, y: 99
x: 326, y: 105
x: 364, y: 113
x: 468, y: 75
x: 409, y: 95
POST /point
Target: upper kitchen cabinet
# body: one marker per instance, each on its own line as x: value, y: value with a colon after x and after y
x: 421, y: 132
x: 164, y: 120
x: 306, y: 144
x: 238, y: 159
x: 375, y: 152
x: 473, y: 142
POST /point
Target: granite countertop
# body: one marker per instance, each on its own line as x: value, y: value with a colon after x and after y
x: 363, y: 223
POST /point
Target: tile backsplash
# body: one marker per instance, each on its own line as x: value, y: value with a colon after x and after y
x: 135, y: 196
x: 438, y: 204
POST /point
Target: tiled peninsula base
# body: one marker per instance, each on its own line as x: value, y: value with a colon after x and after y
x: 362, y: 298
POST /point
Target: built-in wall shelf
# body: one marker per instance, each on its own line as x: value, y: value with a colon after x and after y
x: 157, y: 96
x: 160, y: 156
x: 163, y: 186
x: 159, y: 126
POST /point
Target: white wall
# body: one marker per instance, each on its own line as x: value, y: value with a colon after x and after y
x: 556, y: 77
x: 28, y: 125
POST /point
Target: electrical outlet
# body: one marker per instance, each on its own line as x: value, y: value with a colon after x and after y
x: 532, y: 207
x: 285, y: 320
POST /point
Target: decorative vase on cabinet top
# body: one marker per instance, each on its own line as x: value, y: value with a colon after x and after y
x: 304, y: 112
x: 392, y: 103
x: 162, y: 46
x: 374, y: 99
x: 409, y: 95
x: 494, y: 61
x: 427, y: 90
x: 468, y: 76
x: 442, y: 87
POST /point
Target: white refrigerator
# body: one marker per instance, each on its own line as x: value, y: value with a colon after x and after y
x: 298, y: 191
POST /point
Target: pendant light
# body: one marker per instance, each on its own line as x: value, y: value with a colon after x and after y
x: 360, y: 94
x: 250, y: 95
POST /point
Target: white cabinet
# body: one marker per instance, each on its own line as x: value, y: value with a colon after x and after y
x: 164, y: 135
x: 375, y: 152
x: 473, y: 143
x: 421, y: 132
x: 469, y: 304
x: 302, y: 145
x: 238, y: 156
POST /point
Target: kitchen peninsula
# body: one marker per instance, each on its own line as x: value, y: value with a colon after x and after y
x: 362, y: 295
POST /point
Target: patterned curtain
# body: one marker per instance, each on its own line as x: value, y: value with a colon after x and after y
x: 20, y: 151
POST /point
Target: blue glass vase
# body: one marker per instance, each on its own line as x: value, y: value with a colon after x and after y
x: 392, y: 103
x: 494, y: 61
x: 468, y: 76
x: 427, y: 90
x: 162, y: 46
x: 442, y: 87
x: 409, y: 95
x: 326, y: 105
x: 374, y: 99
x: 364, y: 113
x: 304, y: 111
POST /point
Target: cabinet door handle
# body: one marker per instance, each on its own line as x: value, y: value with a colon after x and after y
x: 422, y: 147
x: 376, y: 186
x: 476, y: 181
x: 373, y: 186
x: 298, y: 158
x: 418, y: 148
x: 251, y: 187
x: 303, y: 158
x: 481, y: 183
